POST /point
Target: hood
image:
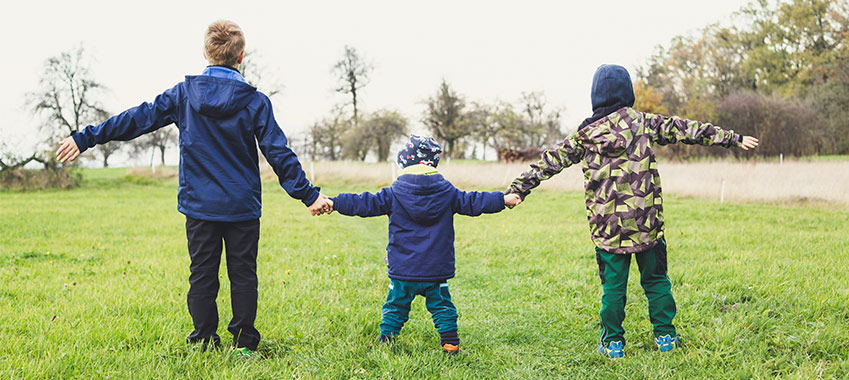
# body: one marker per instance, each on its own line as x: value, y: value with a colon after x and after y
x: 612, y: 89
x: 425, y: 198
x: 218, y: 97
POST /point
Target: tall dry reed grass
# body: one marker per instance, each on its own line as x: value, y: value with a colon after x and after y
x: 792, y: 181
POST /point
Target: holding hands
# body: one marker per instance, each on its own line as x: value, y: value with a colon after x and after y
x: 512, y: 200
x: 322, y: 205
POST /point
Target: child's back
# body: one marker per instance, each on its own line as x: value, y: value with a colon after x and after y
x: 621, y: 181
x: 420, y: 254
x: 421, y: 210
x: 623, y: 197
x: 221, y: 120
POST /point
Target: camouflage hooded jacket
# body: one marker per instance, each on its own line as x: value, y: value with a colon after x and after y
x: 623, y: 195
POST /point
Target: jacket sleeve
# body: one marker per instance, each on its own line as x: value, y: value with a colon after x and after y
x: 134, y: 122
x: 553, y: 161
x: 274, y: 146
x: 669, y: 130
x: 474, y: 203
x: 365, y: 204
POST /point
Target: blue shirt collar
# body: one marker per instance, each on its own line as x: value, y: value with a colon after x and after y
x: 224, y: 72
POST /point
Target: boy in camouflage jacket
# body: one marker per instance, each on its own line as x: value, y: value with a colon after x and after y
x: 623, y: 197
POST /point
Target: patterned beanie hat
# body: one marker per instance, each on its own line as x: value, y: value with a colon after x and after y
x: 419, y: 150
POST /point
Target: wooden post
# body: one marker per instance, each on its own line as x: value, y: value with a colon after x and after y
x: 506, y: 175
x: 722, y: 192
x: 152, y: 156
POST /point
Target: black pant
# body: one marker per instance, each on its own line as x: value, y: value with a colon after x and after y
x: 241, y: 239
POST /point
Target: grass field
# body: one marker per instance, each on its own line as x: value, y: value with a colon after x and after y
x: 93, y: 284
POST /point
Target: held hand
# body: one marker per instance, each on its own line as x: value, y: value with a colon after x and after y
x: 322, y: 205
x: 749, y: 142
x: 512, y: 200
x: 68, y: 150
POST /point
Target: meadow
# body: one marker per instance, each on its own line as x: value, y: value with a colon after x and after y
x: 93, y: 284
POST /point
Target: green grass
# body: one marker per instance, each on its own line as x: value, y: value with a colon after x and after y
x: 93, y: 284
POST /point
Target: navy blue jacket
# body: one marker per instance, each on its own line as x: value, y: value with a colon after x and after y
x: 421, y: 212
x: 220, y: 122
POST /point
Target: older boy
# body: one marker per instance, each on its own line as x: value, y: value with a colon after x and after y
x: 421, y: 205
x: 623, y: 197
x: 221, y: 118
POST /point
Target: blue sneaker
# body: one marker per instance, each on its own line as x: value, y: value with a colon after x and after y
x: 666, y: 343
x: 614, y: 350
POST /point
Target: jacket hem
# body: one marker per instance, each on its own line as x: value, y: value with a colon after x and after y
x: 219, y: 218
x: 421, y: 279
x: 630, y: 250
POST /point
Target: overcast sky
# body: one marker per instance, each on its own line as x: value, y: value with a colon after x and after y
x: 486, y: 50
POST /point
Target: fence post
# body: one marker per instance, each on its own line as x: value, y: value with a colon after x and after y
x: 780, y: 159
x: 312, y: 171
x: 722, y: 192
x: 152, y: 156
x: 506, y: 175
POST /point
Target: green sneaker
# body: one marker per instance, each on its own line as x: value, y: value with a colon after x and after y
x: 245, y: 353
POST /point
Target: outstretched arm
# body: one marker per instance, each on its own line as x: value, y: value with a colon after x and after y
x: 671, y: 129
x: 284, y: 162
x: 363, y: 205
x: 474, y: 203
x: 553, y: 161
x: 125, y: 126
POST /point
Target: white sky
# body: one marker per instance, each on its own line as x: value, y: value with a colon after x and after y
x: 487, y: 50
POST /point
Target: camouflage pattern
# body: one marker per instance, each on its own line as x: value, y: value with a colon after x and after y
x: 623, y: 192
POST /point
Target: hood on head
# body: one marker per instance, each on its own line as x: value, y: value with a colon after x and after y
x: 424, y: 197
x: 218, y: 97
x: 612, y: 87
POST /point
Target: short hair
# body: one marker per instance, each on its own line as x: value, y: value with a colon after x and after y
x: 224, y: 42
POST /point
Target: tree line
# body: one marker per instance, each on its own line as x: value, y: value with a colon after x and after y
x: 779, y: 71
x: 464, y: 129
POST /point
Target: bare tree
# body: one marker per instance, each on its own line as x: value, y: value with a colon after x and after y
x: 543, y: 121
x: 158, y: 140
x: 67, y: 97
x: 481, y: 118
x: 258, y: 75
x: 10, y: 162
x: 387, y: 127
x: 353, y: 73
x: 107, y: 150
x: 67, y: 93
x: 445, y: 117
x: 327, y: 135
x: 377, y: 132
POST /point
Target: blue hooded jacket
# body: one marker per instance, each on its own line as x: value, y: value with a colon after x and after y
x: 220, y: 119
x: 421, y: 212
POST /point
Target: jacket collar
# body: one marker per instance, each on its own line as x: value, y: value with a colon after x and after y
x: 419, y: 169
x: 224, y: 72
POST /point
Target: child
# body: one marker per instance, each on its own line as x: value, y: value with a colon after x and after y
x: 623, y: 197
x: 421, y: 205
x: 220, y: 118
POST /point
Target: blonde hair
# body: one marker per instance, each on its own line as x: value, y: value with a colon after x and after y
x: 224, y: 43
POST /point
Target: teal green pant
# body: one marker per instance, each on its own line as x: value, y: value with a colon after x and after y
x: 396, y: 310
x: 613, y: 270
